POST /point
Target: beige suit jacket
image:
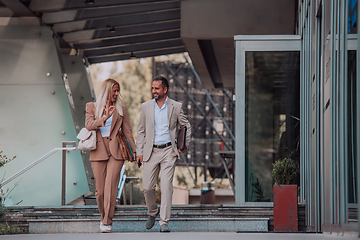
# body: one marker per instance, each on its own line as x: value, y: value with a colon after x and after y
x: 146, y: 130
x: 118, y: 122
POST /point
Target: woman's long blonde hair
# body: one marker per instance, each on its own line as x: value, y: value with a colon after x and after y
x: 104, y: 95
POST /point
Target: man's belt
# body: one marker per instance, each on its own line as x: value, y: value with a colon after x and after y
x: 162, y: 145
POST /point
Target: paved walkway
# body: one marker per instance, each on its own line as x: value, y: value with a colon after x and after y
x: 177, y: 236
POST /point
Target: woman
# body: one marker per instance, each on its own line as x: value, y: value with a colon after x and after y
x: 107, y: 116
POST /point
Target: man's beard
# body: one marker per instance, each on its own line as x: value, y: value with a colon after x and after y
x: 159, y: 97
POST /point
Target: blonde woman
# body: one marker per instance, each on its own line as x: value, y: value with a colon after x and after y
x: 107, y: 116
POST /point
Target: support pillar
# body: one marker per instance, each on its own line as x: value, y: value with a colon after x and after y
x: 36, y: 117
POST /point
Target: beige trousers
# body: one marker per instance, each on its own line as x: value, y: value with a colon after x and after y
x: 107, y: 175
x: 160, y: 160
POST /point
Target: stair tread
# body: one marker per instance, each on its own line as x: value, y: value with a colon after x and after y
x: 144, y: 219
x: 138, y: 225
x: 129, y: 215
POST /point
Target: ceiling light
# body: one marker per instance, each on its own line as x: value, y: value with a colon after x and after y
x: 89, y: 2
x: 132, y: 56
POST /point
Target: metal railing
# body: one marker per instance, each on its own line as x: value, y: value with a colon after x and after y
x: 64, y: 149
x: 121, y: 186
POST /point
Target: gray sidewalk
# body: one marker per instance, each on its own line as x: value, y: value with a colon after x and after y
x: 177, y: 236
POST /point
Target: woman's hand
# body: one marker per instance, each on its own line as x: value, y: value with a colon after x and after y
x: 108, y: 109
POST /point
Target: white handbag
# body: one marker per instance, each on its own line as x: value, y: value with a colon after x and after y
x: 87, y: 139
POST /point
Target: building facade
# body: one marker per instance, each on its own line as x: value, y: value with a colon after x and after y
x: 296, y: 87
x: 297, y: 96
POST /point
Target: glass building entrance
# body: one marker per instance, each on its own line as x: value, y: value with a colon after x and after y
x: 267, y: 112
x: 272, y: 115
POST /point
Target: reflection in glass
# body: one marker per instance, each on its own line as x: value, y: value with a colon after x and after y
x: 352, y: 166
x: 353, y: 16
x: 272, y: 117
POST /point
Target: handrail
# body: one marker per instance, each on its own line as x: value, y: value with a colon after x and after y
x: 33, y: 164
x: 121, y: 181
x: 25, y: 169
x: 121, y: 185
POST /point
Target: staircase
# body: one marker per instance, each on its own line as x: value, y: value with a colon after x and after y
x: 184, y: 218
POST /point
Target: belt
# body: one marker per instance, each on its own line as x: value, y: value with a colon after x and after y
x: 162, y: 145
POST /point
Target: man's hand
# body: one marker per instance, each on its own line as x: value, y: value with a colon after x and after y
x: 139, y: 160
x: 182, y: 151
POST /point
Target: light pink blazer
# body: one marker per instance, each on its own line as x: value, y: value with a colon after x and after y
x: 118, y: 122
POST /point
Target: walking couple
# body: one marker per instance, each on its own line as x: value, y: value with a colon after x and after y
x: 155, y: 149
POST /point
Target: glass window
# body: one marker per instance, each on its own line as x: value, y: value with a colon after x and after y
x: 352, y: 166
x: 353, y: 16
x: 272, y: 117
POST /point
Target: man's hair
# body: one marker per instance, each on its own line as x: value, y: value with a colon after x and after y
x: 164, y: 81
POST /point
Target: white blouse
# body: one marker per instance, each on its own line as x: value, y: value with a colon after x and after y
x: 105, y: 131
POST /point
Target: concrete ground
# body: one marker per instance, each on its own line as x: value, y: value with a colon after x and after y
x: 177, y: 236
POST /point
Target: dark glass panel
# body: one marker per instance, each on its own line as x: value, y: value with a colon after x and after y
x: 272, y: 117
x: 352, y: 166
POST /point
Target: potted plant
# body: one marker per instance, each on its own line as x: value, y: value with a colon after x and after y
x: 285, y: 195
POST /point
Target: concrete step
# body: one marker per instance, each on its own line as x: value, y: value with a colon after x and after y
x: 68, y: 219
x: 200, y: 217
x: 178, y: 211
x: 196, y: 224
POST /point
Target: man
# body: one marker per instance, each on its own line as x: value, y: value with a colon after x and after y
x: 157, y: 150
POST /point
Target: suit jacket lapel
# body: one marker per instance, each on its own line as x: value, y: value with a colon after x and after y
x: 151, y: 114
x: 170, y: 109
x: 114, y: 119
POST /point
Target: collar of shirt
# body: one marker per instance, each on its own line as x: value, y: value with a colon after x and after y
x: 163, y: 106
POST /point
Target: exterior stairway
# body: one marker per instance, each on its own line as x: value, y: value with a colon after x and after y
x: 184, y: 218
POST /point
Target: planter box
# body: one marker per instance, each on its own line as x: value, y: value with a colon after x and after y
x: 285, y: 208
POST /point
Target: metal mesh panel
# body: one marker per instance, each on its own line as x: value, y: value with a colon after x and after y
x: 205, y: 145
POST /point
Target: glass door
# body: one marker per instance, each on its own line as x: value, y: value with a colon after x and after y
x: 267, y: 111
x: 352, y: 127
